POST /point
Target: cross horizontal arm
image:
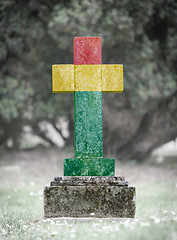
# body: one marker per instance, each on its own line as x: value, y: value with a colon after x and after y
x: 71, y: 78
x: 63, y: 78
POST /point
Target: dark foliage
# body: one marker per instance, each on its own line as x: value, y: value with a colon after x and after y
x: 139, y: 34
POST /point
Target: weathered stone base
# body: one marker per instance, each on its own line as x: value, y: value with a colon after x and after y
x: 89, y: 197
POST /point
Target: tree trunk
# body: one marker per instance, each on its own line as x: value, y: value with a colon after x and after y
x: 134, y: 137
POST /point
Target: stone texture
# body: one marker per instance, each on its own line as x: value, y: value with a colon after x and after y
x: 85, y: 181
x: 112, y: 78
x: 63, y: 78
x: 87, y: 77
x: 88, y: 124
x: 89, y: 197
x: 89, y: 167
x: 87, y: 50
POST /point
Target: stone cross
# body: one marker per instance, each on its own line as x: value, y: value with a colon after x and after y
x: 88, y: 78
x: 88, y: 187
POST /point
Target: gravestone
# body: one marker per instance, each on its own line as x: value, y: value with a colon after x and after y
x: 88, y: 187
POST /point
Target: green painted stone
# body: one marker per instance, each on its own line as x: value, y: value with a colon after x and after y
x: 88, y: 124
x: 89, y: 167
x: 88, y: 159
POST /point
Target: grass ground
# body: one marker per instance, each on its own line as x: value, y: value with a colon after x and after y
x: 21, y: 203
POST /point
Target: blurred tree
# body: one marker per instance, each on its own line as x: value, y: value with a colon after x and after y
x: 139, y: 34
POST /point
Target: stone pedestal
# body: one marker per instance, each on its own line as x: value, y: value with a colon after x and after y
x: 103, y: 197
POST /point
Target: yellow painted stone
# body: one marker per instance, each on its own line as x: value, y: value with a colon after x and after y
x: 112, y: 78
x: 87, y: 77
x: 63, y: 78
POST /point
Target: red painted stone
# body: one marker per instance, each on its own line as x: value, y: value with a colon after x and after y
x: 87, y: 50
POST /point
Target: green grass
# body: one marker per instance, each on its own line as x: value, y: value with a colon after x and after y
x: 21, y: 216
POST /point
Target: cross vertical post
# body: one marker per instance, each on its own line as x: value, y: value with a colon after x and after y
x: 88, y: 104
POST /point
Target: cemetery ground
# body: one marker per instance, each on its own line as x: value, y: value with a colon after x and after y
x: 24, y: 174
